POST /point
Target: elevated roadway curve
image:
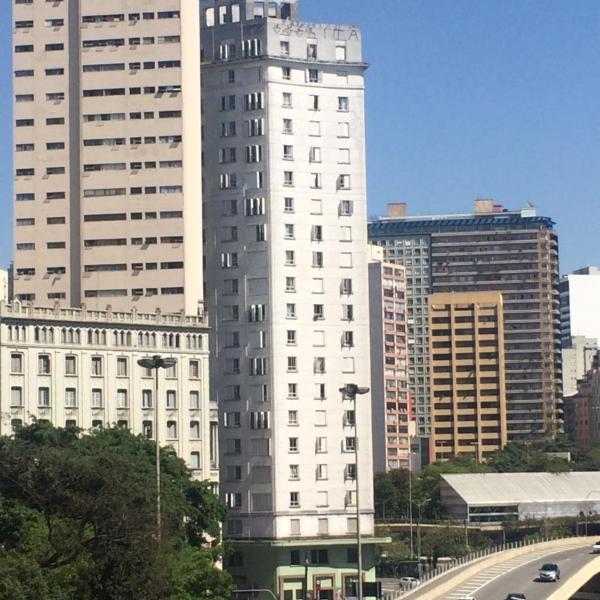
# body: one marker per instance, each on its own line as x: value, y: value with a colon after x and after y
x: 520, y: 574
x: 515, y: 570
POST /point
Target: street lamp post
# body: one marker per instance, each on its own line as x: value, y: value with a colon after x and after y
x: 157, y: 362
x: 351, y: 390
x: 586, y: 511
x: 410, y: 505
x: 305, y: 582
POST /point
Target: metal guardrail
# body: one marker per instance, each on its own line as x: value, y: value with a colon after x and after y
x: 469, y: 558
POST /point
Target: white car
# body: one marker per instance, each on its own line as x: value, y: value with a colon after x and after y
x: 408, y: 583
x: 596, y: 547
x: 549, y: 572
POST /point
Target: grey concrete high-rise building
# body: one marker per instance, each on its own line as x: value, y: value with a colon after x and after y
x: 108, y: 203
x: 491, y: 249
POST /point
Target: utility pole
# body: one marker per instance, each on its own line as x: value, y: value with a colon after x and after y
x: 305, y: 583
x: 410, y: 504
x: 351, y: 391
x: 157, y: 362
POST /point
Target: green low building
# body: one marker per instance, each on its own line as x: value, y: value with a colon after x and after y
x: 327, y: 567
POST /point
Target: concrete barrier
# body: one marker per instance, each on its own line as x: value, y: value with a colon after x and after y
x: 571, y: 585
x: 476, y: 566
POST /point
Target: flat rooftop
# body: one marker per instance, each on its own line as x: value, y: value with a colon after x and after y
x: 485, y: 489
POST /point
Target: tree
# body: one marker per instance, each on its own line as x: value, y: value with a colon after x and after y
x: 428, y: 485
x: 513, y: 458
x: 391, y: 495
x: 444, y: 541
x: 77, y: 520
x: 519, y: 457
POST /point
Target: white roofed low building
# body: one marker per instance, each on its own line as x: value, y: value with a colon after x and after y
x: 497, y: 497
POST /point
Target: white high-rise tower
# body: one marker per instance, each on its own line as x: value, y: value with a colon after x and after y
x: 287, y: 288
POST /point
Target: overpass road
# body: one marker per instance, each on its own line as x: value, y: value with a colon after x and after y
x: 519, y: 575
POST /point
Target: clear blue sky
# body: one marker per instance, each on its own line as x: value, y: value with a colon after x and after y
x: 465, y: 99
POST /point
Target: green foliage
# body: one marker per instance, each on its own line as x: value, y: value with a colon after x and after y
x: 77, y: 520
x: 391, y: 495
x: 444, y: 541
x: 522, y: 457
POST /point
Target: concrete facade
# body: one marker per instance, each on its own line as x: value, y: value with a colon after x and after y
x: 4, y: 286
x: 286, y: 256
x: 79, y: 367
x: 579, y: 297
x: 578, y: 359
x: 582, y: 412
x: 578, y: 416
x: 468, y: 377
x: 104, y: 174
x: 491, y: 249
x: 391, y: 402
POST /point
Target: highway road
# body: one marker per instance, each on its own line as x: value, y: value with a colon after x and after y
x: 519, y: 575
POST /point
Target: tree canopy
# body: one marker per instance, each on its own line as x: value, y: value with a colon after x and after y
x: 78, y: 520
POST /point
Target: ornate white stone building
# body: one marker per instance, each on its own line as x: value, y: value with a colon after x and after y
x: 79, y: 367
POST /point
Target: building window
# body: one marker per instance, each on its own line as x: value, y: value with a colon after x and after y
x: 321, y: 473
x: 70, y: 398
x: 122, y: 400
x: 195, y: 460
x: 44, y: 397
x: 294, y: 499
x: 321, y: 445
x: 97, y: 398
x: 96, y: 365
x: 16, y: 363
x: 16, y: 396
x: 43, y: 364
x: 122, y: 370
x: 194, y: 400
x: 293, y: 445
x: 171, y: 400
x: 146, y: 399
x: 194, y: 369
x: 171, y: 372
x: 195, y: 430
x: 319, y: 557
x: 171, y: 430
x: 147, y: 429
x: 350, y: 444
x: 318, y: 312
x: 70, y: 365
x: 343, y: 104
